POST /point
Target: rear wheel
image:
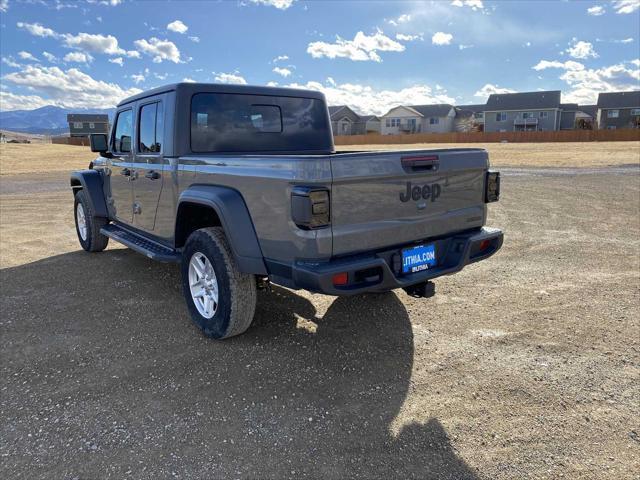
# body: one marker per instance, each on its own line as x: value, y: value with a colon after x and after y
x: 221, y: 300
x: 87, y: 226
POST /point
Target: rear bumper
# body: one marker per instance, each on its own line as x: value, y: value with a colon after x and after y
x: 380, y: 271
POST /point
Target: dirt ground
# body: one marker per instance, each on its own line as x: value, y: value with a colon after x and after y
x: 524, y: 366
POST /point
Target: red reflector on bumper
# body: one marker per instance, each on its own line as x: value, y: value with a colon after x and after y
x: 484, y: 244
x: 340, y: 279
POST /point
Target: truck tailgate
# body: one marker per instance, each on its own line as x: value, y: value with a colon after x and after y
x: 383, y: 199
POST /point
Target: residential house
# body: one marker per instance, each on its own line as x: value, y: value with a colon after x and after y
x: 345, y: 121
x: 82, y: 125
x: 436, y: 118
x: 371, y: 123
x: 528, y: 111
x: 469, y: 118
x: 586, y: 117
x: 619, y: 110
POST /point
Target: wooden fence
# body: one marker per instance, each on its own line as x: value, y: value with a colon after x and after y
x: 495, y: 137
x: 80, y: 141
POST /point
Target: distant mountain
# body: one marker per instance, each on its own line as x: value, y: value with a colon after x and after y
x: 48, y: 120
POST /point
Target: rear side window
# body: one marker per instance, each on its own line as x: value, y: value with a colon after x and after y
x: 224, y: 122
x: 150, y: 128
x: 123, y: 132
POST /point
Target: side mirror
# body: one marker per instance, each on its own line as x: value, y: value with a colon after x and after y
x: 99, y: 142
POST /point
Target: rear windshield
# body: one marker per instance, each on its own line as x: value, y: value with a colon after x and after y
x: 225, y: 122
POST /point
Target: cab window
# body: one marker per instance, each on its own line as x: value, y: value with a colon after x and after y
x: 123, y: 132
x: 150, y: 128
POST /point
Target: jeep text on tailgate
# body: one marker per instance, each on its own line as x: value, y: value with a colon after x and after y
x: 243, y: 186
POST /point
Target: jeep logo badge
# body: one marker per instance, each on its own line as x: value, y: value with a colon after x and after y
x: 417, y: 192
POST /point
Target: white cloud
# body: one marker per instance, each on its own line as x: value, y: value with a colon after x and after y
x: 78, y: 57
x: 117, y: 61
x: 464, y: 47
x: 50, y: 57
x: 188, y: 80
x: 596, y: 10
x: 408, y: 38
x: 177, y: 26
x: 71, y: 88
x: 581, y: 49
x: 37, y: 29
x: 489, y: 89
x: 138, y: 78
x: 441, y: 38
x: 279, y: 4
x: 159, y: 49
x: 94, y: 43
x: 627, y: 40
x: 626, y: 6
x: 362, y: 48
x: 161, y: 76
x: 285, y: 72
x: 233, y: 78
x: 11, y: 101
x: 280, y: 58
x: 4, y: 6
x: 586, y: 83
x: 474, y: 4
x: 27, y: 56
x: 272, y: 84
x: 404, y: 18
x: 568, y: 65
x: 194, y: 39
x: 370, y: 101
x: 10, y: 62
x: 87, y: 42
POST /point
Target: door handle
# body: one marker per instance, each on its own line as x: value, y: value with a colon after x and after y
x: 126, y: 172
x: 152, y: 175
x: 420, y: 163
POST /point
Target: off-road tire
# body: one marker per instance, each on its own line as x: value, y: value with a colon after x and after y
x: 95, y: 241
x: 236, y: 291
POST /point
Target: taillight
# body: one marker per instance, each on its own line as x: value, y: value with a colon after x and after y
x: 492, y: 187
x: 310, y: 207
x: 340, y: 279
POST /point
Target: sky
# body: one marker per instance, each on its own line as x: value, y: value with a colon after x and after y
x: 370, y: 55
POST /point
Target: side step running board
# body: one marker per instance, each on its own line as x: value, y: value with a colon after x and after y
x: 140, y: 244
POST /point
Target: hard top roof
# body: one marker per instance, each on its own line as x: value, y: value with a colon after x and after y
x: 188, y: 88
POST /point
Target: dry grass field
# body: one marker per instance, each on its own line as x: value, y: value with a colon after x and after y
x: 583, y: 154
x: 525, y: 366
x: 47, y: 158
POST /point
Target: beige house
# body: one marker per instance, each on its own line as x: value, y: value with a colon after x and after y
x: 436, y: 118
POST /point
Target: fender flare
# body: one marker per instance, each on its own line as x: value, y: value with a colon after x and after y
x: 91, y: 182
x: 235, y: 220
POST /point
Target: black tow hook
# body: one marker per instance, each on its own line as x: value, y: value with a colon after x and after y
x: 421, y: 290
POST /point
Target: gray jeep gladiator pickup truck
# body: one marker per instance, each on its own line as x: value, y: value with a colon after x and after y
x: 242, y: 185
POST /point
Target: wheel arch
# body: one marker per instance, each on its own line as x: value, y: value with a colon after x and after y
x: 91, y: 182
x: 203, y: 206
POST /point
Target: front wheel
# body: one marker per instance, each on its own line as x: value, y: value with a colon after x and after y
x: 221, y: 300
x: 87, y: 226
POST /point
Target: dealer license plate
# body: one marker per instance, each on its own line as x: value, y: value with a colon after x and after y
x: 418, y: 258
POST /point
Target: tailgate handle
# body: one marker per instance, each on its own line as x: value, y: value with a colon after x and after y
x: 420, y: 163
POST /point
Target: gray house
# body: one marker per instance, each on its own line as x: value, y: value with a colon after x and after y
x: 469, y: 118
x: 586, y: 117
x: 618, y: 110
x: 436, y: 118
x: 82, y: 125
x: 345, y: 121
x: 529, y: 111
x: 371, y: 123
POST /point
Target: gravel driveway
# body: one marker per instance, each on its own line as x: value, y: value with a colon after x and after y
x: 524, y: 366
